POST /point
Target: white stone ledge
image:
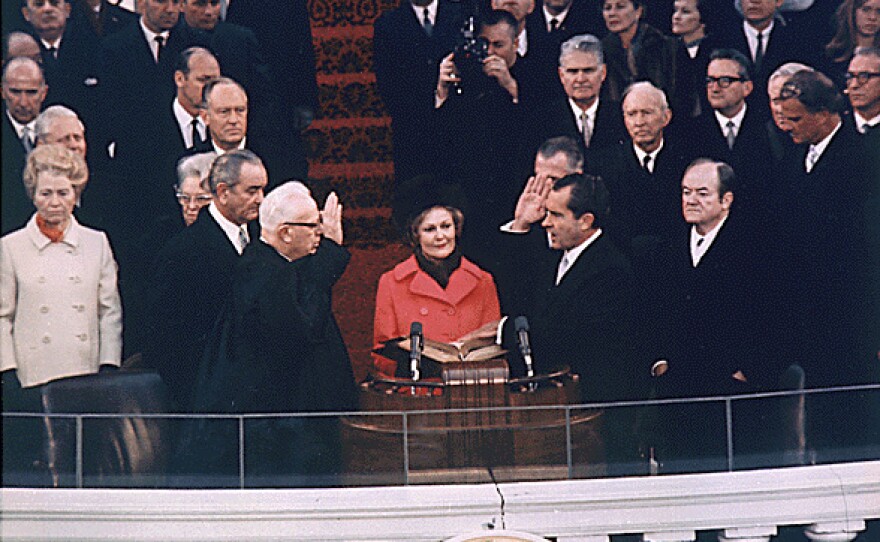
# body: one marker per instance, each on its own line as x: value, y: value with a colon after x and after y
x: 842, y: 494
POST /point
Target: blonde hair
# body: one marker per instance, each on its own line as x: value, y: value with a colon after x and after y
x: 55, y: 159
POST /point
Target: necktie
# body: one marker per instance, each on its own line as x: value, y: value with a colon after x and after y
x: 759, y: 52
x: 646, y: 163
x: 700, y: 241
x: 242, y: 238
x: 812, y: 158
x: 53, y: 51
x: 586, y: 128
x: 196, y: 137
x: 563, y: 267
x: 731, y: 135
x: 426, y: 22
x: 160, y: 45
x: 26, y: 140
x: 554, y: 24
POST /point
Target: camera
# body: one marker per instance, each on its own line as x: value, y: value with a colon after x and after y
x: 469, y: 54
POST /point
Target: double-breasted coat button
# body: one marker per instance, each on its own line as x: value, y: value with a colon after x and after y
x: 44, y: 309
x: 423, y: 311
x: 47, y: 339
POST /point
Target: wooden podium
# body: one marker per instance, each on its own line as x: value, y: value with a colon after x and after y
x: 461, y: 428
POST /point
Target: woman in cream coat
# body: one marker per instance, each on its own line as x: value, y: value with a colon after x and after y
x: 60, y: 313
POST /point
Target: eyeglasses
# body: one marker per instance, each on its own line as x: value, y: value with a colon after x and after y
x: 724, y: 81
x: 202, y: 199
x: 861, y: 77
x: 312, y: 225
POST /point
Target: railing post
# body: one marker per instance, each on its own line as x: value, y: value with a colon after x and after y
x: 568, y: 445
x: 728, y: 415
x: 79, y: 452
x: 405, y: 426
x: 241, y: 452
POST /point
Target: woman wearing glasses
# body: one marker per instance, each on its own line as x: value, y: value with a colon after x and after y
x: 436, y: 286
x: 191, y: 192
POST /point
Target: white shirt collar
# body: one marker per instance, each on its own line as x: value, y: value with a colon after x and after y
x: 151, y: 37
x: 50, y: 44
x: 736, y: 119
x: 862, y: 122
x: 18, y: 127
x: 573, y: 254
x: 640, y: 154
x: 220, y: 151
x: 591, y: 112
x: 822, y: 145
x: 559, y: 18
x: 752, y: 36
x: 697, y: 252
x: 420, y: 12
x: 522, y: 47
x: 229, y: 228
x: 184, y: 120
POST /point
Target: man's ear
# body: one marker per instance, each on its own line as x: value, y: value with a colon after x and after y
x: 586, y: 221
x: 179, y: 78
x: 726, y: 200
x: 222, y: 192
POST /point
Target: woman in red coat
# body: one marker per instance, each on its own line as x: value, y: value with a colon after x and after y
x: 436, y: 286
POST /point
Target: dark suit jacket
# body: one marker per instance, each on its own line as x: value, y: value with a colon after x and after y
x: 283, y: 31
x: 584, y: 322
x: 111, y: 17
x: 717, y: 317
x: 406, y: 62
x: 825, y: 257
x: 281, y: 165
x: 788, y: 43
x: 584, y: 17
x: 555, y: 118
x: 188, y: 288
x: 645, y: 207
x: 136, y: 89
x: 17, y: 206
x: 749, y: 157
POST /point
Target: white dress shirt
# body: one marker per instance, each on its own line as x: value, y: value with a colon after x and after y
x: 420, y: 12
x: 862, y: 124
x: 151, y: 39
x: 184, y: 122
x: 19, y: 127
x: 220, y: 151
x: 701, y: 243
x: 231, y: 230
x: 819, y: 148
x: 736, y: 119
x: 571, y: 255
x: 640, y: 154
x: 559, y: 18
x: 591, y: 114
x: 752, y: 37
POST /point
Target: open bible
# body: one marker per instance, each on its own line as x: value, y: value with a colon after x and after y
x: 436, y: 353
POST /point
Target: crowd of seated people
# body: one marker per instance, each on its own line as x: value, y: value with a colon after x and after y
x: 694, y: 197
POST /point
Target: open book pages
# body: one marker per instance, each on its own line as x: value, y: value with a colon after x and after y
x: 472, y: 350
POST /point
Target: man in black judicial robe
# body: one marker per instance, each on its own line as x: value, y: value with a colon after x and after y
x: 278, y: 347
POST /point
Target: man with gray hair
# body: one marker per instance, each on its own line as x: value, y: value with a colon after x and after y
x: 192, y: 274
x: 582, y: 114
x: 278, y: 347
x: 24, y: 92
x: 61, y: 125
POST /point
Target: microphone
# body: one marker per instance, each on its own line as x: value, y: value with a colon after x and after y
x: 522, y: 338
x: 416, y: 343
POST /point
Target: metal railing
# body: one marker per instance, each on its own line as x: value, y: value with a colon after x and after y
x: 410, y: 431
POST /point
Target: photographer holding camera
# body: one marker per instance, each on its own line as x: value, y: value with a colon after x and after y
x: 480, y: 122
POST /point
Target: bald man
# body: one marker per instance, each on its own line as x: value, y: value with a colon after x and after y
x: 24, y: 91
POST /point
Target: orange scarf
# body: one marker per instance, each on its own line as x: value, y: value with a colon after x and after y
x: 54, y: 235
